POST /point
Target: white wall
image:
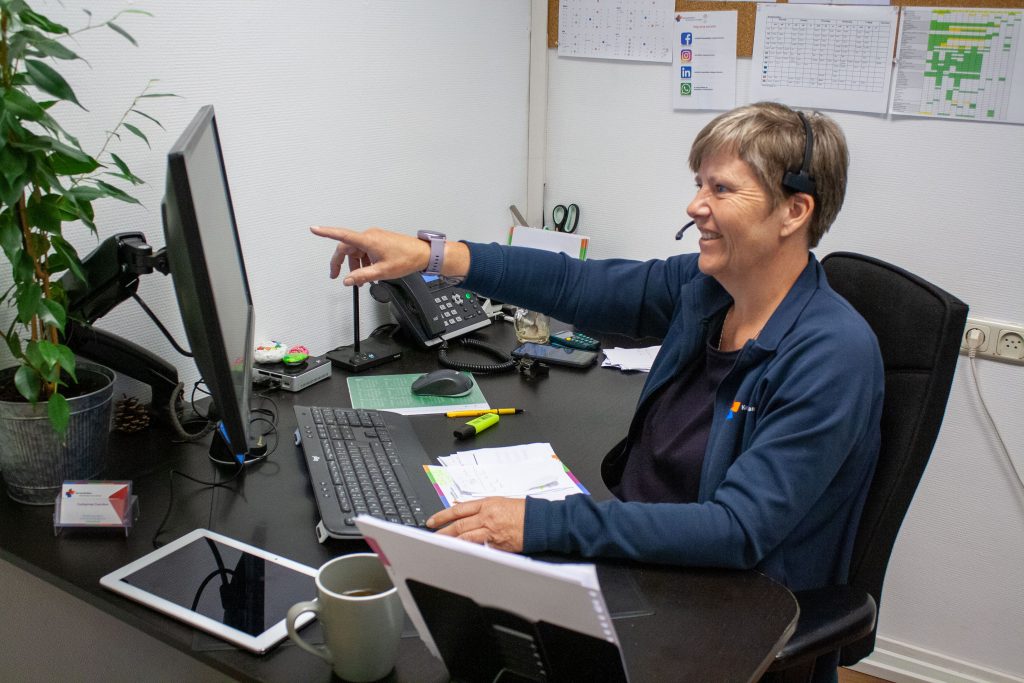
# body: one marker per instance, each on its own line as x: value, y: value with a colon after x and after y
x: 399, y: 113
x: 940, y: 198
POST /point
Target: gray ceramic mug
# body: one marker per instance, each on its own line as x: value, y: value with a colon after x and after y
x: 361, y: 615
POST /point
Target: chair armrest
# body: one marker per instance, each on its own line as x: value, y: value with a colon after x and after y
x: 830, y: 617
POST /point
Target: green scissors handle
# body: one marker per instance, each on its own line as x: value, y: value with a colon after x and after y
x: 565, y: 218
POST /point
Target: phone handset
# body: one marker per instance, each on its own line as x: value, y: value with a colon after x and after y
x: 413, y: 303
x: 431, y: 307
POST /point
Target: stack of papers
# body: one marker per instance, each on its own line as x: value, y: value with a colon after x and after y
x: 513, y: 472
x: 630, y: 359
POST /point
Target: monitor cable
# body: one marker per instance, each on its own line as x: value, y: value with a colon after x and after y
x: 259, y: 453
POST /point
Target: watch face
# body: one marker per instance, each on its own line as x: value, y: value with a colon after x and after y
x: 430, y: 235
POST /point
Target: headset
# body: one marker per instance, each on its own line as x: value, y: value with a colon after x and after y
x: 802, y: 180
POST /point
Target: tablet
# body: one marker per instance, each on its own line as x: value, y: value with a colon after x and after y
x: 227, y: 588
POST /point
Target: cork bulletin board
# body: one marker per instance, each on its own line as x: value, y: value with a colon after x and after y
x: 748, y: 15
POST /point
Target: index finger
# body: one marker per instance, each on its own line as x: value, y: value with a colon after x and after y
x: 343, y: 235
x: 455, y: 512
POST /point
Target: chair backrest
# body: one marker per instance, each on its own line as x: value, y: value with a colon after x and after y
x: 919, y: 328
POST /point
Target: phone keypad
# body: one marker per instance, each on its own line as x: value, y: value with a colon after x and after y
x: 457, y: 307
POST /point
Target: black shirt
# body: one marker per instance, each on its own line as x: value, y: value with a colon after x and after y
x: 665, y: 461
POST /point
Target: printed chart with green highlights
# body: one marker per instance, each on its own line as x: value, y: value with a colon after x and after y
x: 960, y: 64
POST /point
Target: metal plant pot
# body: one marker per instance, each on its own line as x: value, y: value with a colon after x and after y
x: 34, y: 461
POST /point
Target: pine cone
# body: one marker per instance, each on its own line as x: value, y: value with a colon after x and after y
x: 130, y: 416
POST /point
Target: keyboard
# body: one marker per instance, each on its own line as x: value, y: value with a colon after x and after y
x: 364, y: 462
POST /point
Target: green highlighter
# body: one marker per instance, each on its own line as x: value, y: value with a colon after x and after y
x: 475, y: 426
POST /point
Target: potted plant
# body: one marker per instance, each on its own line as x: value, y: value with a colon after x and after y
x: 54, y: 412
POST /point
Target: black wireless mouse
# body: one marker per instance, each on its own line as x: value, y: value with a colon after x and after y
x: 443, y: 383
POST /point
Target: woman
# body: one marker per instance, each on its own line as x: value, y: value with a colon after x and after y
x: 757, y: 431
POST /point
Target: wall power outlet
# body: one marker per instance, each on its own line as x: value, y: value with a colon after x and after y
x: 995, y: 340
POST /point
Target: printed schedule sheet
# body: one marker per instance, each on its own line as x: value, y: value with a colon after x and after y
x: 826, y: 56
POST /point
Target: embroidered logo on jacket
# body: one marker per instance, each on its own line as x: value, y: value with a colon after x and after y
x: 737, y: 407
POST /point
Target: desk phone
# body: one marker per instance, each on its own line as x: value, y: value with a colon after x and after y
x: 431, y: 307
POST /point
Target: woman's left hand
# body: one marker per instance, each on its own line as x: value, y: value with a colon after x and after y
x: 496, y: 522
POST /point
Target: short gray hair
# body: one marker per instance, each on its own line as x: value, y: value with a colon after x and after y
x: 770, y: 138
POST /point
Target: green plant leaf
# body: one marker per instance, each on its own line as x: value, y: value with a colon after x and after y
x: 144, y: 114
x: 12, y: 165
x: 29, y: 42
x: 53, y: 314
x: 28, y: 383
x: 74, y: 163
x: 28, y: 297
x: 48, y: 350
x: 117, y: 193
x: 44, y: 213
x: 46, y: 78
x: 21, y: 105
x: 14, y: 344
x: 159, y: 94
x: 121, y: 31
x: 10, y: 236
x: 31, y: 18
x: 136, y: 131
x: 85, y: 193
x: 22, y: 267
x: 67, y: 361
x: 59, y: 412
x: 70, y: 256
x: 126, y: 172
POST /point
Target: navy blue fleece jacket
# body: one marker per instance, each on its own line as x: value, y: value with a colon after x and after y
x: 795, y: 433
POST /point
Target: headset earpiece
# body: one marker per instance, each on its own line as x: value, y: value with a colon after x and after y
x: 802, y: 180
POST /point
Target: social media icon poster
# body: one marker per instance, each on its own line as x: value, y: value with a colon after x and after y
x: 704, y: 60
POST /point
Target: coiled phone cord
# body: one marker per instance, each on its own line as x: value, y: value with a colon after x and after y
x: 506, y: 361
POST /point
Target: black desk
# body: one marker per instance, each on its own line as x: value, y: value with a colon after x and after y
x: 708, y: 625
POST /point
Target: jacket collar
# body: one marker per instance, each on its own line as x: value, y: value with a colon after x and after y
x: 710, y: 300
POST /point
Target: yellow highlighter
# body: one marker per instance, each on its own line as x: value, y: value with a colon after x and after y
x: 474, y: 427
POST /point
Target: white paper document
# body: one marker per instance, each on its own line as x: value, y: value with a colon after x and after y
x: 567, y: 595
x: 549, y: 240
x: 615, y: 29
x: 704, y: 60
x: 630, y: 359
x: 824, y: 56
x: 964, y: 64
x: 512, y: 472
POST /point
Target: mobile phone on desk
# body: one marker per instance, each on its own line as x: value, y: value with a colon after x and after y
x: 556, y: 355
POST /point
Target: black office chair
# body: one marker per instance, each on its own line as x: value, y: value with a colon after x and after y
x: 900, y: 307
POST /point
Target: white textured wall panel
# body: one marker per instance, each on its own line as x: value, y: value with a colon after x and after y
x: 397, y: 113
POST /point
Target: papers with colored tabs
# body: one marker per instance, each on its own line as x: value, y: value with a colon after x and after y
x: 513, y: 472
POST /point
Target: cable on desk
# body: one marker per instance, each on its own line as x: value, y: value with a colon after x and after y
x: 504, y: 364
x: 268, y: 450
x: 170, y: 502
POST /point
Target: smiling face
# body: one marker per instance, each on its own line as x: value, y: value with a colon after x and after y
x: 741, y: 234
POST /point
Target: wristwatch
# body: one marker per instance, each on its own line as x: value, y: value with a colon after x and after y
x: 436, y: 240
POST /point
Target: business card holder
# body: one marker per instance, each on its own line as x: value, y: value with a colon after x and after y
x: 95, y: 505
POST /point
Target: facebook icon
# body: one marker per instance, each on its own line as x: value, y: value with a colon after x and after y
x: 686, y: 38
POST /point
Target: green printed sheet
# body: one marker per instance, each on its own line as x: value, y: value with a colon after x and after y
x: 394, y: 393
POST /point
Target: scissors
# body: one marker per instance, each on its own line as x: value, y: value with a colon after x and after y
x: 565, y: 218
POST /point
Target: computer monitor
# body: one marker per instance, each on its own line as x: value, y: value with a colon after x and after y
x: 208, y: 269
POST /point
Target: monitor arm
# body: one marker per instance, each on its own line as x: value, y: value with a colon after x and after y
x: 112, y: 272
